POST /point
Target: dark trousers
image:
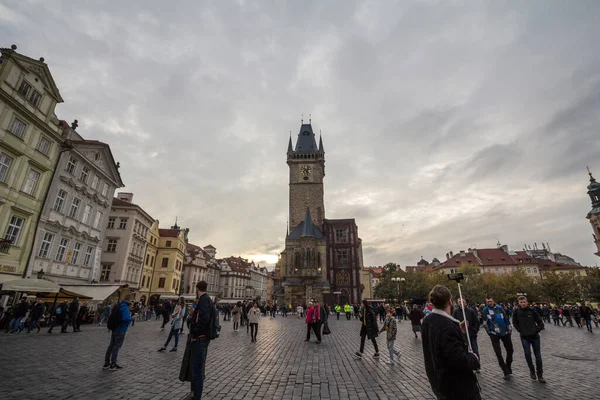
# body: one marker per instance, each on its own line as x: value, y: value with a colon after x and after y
x: 569, y: 320
x: 112, y: 352
x: 316, y: 328
x: 527, y: 345
x: 506, y: 340
x: 588, y: 324
x: 61, y: 322
x: 199, y: 352
x: 474, y: 344
x: 253, y: 331
x: 362, y: 343
x: 165, y: 320
x: 348, y: 316
x: 338, y: 315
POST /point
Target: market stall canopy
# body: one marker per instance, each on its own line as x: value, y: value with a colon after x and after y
x: 94, y: 292
x: 62, y: 295
x: 5, y: 278
x: 31, y: 285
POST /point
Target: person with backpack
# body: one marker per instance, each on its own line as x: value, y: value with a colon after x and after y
x: 118, y: 323
x: 106, y: 314
x: 203, y: 328
x: 529, y: 324
x: 60, y: 318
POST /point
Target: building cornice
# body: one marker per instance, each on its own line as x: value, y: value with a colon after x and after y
x: 84, y: 191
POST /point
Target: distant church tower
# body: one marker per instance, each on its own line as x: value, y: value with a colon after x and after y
x: 307, y: 169
x: 594, y: 214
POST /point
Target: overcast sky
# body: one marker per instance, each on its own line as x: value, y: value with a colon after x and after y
x: 446, y: 125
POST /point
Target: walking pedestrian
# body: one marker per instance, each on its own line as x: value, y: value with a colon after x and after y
x: 81, y: 316
x: 391, y: 329
x: 566, y: 312
x: 448, y: 362
x: 321, y: 315
x: 368, y: 329
x: 310, y: 321
x: 254, y: 318
x: 73, y: 310
x: 60, y: 317
x: 338, y: 310
x: 176, y: 325
x: 529, y: 324
x: 416, y: 316
x: 472, y: 324
x: 586, y: 314
x: 236, y: 313
x: 200, y: 337
x: 106, y: 313
x: 300, y: 311
x: 166, y: 312
x: 36, y: 314
x: 123, y: 318
x: 499, y: 330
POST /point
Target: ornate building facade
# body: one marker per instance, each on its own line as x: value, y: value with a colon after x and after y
x: 68, y: 243
x: 322, y: 257
x: 594, y: 214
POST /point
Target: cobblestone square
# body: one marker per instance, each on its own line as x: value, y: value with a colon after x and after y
x: 279, y: 366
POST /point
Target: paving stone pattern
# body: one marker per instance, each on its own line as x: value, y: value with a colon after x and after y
x: 279, y: 366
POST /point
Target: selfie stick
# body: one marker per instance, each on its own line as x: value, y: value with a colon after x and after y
x: 462, y: 305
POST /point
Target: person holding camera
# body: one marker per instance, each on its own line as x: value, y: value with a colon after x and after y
x: 448, y: 362
x: 499, y: 330
x: 529, y: 324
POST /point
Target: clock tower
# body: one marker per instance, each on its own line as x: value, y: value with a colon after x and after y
x: 307, y: 169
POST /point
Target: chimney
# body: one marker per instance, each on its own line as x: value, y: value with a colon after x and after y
x: 462, y: 253
x: 126, y: 197
x: 504, y: 247
x: 475, y: 252
x: 451, y: 254
x: 447, y: 256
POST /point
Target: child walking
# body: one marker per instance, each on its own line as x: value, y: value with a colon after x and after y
x: 389, y: 326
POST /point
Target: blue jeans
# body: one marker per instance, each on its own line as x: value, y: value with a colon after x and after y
x: 173, y: 332
x: 535, y: 343
x: 15, y: 324
x: 199, y: 352
x: 588, y: 324
x: 112, y: 352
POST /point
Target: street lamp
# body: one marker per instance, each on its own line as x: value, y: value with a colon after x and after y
x: 398, y: 280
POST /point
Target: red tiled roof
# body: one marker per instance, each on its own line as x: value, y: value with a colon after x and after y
x: 523, y: 258
x: 376, y: 272
x: 494, y: 257
x: 119, y: 202
x: 168, y: 233
x: 458, y: 260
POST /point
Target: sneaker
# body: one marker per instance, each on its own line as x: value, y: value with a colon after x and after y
x: 358, y: 354
x: 532, y: 376
x: 162, y: 349
x: 318, y: 341
x: 509, y: 371
x: 115, y: 367
x: 506, y: 377
x: 173, y: 349
x: 106, y: 366
x: 376, y: 355
x: 478, y: 371
x: 306, y: 340
x: 390, y: 362
x: 541, y: 378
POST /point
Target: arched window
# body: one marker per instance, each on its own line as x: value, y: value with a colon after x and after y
x: 343, y: 278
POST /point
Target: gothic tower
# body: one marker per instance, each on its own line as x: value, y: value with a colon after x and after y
x: 307, y: 169
x: 594, y: 214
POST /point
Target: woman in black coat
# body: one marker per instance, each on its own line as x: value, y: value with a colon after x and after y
x: 369, y: 328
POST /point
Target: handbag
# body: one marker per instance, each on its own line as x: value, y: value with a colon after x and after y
x: 185, y: 372
x: 326, y: 330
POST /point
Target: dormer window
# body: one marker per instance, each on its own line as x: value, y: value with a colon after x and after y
x: 25, y: 88
x: 35, y: 98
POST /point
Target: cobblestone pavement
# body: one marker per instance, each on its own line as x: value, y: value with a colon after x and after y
x: 279, y: 366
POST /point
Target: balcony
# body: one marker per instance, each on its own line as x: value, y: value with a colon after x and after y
x: 5, y: 245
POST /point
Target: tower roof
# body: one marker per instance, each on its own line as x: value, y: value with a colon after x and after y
x: 306, y: 228
x: 594, y: 193
x: 306, y: 142
x: 321, y: 149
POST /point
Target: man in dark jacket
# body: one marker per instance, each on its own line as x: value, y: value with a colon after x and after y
x: 60, y: 317
x: 529, y: 323
x: 117, y: 337
x: 20, y: 313
x: 368, y: 328
x: 472, y: 323
x: 448, y: 362
x: 37, y: 312
x: 200, y: 337
x: 586, y: 314
x: 73, y: 310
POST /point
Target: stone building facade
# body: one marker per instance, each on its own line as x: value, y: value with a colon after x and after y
x: 594, y: 214
x: 200, y: 266
x: 68, y: 244
x: 31, y: 142
x: 321, y: 256
x: 125, y: 243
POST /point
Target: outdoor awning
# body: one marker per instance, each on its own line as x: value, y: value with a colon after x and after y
x: 94, y: 292
x: 7, y: 277
x: 31, y: 285
x: 62, y: 295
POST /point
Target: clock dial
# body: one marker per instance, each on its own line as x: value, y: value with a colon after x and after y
x: 305, y: 170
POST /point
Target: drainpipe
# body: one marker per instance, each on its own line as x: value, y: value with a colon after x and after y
x: 64, y: 146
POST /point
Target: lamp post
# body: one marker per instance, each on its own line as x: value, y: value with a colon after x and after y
x: 398, y: 280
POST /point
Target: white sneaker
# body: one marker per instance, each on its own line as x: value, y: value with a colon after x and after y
x: 390, y: 362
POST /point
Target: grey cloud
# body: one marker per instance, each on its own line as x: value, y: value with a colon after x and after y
x: 439, y: 121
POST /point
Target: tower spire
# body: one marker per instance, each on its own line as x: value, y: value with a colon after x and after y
x: 590, y: 174
x: 290, y: 148
x: 321, y: 149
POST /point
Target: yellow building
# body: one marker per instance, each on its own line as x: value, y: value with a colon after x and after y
x: 168, y: 269
x: 149, y: 261
x: 30, y: 145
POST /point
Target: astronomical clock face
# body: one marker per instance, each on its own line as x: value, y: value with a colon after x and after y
x: 305, y: 170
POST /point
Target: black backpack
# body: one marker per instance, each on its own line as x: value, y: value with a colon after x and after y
x: 113, y: 318
x: 214, y: 328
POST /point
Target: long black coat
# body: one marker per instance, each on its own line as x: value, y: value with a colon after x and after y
x: 369, y: 324
x: 448, y: 363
